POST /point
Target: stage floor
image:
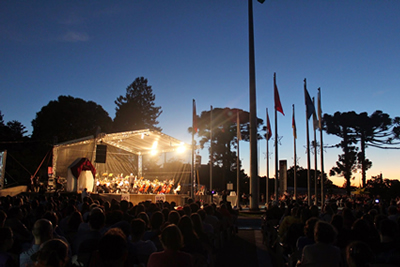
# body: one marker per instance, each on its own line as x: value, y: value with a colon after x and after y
x: 137, y: 198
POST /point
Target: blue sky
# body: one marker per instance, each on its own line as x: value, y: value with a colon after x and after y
x: 199, y: 50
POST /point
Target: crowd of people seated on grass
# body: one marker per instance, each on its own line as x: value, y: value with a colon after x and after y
x: 67, y: 230
x: 347, y: 231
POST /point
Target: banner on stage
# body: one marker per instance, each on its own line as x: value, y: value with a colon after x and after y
x: 160, y: 198
x: 125, y: 197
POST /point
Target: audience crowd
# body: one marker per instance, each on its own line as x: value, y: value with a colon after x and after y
x: 74, y: 230
x: 347, y: 231
x: 80, y: 230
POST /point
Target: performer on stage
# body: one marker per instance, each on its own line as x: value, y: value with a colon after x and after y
x: 177, y: 190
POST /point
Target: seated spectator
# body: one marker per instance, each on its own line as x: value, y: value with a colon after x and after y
x: 52, y: 253
x: 359, y: 254
x: 42, y: 231
x: 21, y: 233
x: 143, y: 248
x: 87, y: 243
x: 173, y: 217
x: 156, y: 222
x: 6, y: 242
x: 308, y: 238
x: 72, y: 229
x: 112, y: 250
x: 323, y: 252
x: 3, y: 217
x: 191, y: 242
x: 388, y: 250
x: 172, y: 241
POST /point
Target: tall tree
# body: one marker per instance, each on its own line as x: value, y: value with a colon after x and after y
x: 136, y: 110
x: 224, y: 139
x: 377, y: 130
x: 340, y: 124
x: 69, y: 118
x: 21, y: 152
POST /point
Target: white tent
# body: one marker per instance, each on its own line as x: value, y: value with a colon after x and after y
x: 80, y: 176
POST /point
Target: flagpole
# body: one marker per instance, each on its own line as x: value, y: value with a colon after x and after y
x: 315, y: 159
x: 321, y: 146
x: 276, y: 146
x: 308, y: 149
x: 253, y: 116
x: 295, y: 156
x: 193, y: 149
x: 237, y: 159
x: 267, y: 176
x: 211, y: 151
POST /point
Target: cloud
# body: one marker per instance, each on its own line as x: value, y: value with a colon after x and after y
x: 74, y: 36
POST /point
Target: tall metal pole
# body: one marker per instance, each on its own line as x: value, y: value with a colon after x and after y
x: 315, y: 159
x: 238, y: 162
x: 308, y: 152
x: 193, y: 149
x: 253, y: 117
x: 321, y: 146
x: 211, y: 148
x: 276, y: 148
x: 267, y: 181
x: 295, y: 156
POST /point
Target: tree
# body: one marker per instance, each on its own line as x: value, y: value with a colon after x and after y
x: 20, y: 152
x: 340, y: 124
x: 224, y: 135
x: 384, y: 188
x: 377, y: 130
x: 136, y: 110
x: 69, y: 118
x: 16, y: 130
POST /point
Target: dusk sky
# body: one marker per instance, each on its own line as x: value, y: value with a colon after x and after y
x: 199, y: 50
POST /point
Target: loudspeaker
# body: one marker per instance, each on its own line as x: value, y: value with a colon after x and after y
x: 101, y: 153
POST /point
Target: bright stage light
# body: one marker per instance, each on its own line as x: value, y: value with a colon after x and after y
x: 153, y: 152
x: 181, y: 148
x: 154, y: 145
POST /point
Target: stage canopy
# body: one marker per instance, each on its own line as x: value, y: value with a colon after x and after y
x: 144, y: 153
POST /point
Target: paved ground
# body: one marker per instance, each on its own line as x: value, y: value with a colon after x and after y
x: 245, y: 248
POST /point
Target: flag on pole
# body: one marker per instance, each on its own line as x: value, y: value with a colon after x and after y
x: 309, y: 104
x: 319, y: 109
x: 278, y: 105
x: 315, y: 119
x: 269, y: 132
x: 194, y: 117
x: 294, y: 125
x: 239, y: 135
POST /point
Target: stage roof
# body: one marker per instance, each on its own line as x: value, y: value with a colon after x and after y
x: 138, y: 142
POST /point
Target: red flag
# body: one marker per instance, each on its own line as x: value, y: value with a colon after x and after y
x: 194, y: 117
x: 269, y: 132
x: 278, y: 105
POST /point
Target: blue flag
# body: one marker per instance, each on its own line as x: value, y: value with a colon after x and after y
x: 309, y: 104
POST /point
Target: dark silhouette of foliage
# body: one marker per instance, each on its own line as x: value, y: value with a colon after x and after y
x: 21, y: 153
x: 383, y: 188
x: 340, y: 124
x: 69, y: 118
x: 224, y: 135
x: 377, y: 130
x: 136, y: 110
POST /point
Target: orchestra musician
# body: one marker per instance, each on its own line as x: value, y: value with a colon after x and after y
x: 177, y: 190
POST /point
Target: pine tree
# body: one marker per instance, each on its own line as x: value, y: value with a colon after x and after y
x: 136, y: 110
